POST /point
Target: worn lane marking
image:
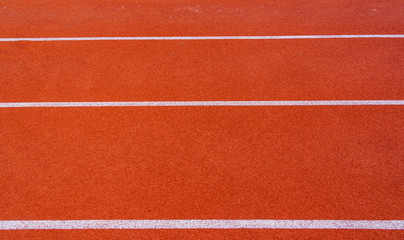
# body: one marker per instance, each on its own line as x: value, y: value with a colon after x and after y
x: 168, y: 38
x: 201, y: 103
x: 202, y: 224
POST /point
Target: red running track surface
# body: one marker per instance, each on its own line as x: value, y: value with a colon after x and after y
x: 297, y: 162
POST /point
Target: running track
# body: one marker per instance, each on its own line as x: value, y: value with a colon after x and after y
x: 199, y: 134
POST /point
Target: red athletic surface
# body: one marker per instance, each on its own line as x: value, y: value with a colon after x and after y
x: 339, y: 162
x: 341, y: 69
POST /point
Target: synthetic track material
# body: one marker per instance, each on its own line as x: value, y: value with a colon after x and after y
x: 218, y: 162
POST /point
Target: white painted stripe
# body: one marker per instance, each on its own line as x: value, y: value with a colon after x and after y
x: 45, y: 39
x: 203, y: 224
x: 201, y: 103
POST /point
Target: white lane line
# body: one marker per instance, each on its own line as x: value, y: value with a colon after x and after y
x: 45, y: 39
x: 203, y: 224
x: 201, y: 103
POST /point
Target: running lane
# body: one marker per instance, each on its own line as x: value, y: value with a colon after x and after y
x: 342, y: 162
x: 230, y: 70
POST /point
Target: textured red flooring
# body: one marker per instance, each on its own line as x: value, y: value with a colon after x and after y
x: 204, y: 163
x: 341, y: 69
x: 339, y: 162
